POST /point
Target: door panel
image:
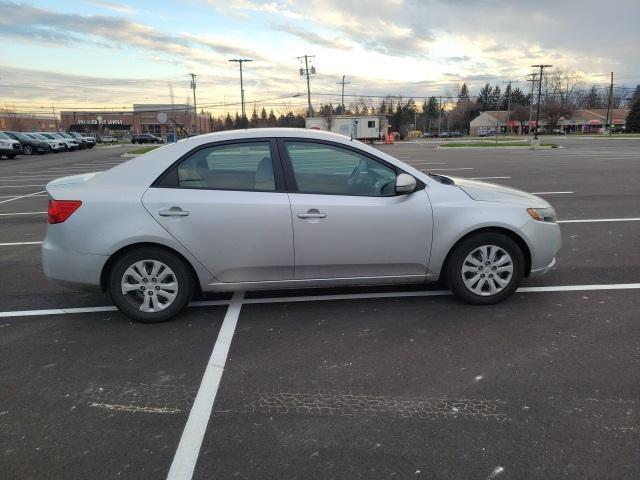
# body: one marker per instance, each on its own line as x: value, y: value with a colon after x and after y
x: 239, y: 236
x: 356, y: 236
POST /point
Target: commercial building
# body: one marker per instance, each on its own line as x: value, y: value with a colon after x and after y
x: 166, y: 121
x: 581, y: 121
x: 22, y: 122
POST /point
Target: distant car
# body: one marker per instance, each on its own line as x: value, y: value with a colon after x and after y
x: 486, y: 133
x: 9, y: 147
x: 56, y: 145
x: 88, y: 142
x: 80, y: 141
x: 70, y: 143
x: 287, y: 208
x: 108, y: 139
x: 30, y: 145
x: 145, y: 138
x: 455, y: 134
x: 430, y: 134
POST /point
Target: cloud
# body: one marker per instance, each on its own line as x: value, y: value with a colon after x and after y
x: 33, y: 24
x: 312, y: 37
x: 116, y: 7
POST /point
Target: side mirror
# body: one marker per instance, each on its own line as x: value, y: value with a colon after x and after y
x: 405, y: 183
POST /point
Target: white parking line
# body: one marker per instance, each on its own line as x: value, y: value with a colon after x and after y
x: 13, y: 196
x: 188, y: 450
x: 486, y: 178
x: 595, y: 220
x: 12, y: 244
x: 449, y: 169
x: 20, y: 213
x: 23, y: 196
x: 316, y: 298
x: 21, y: 186
x: 551, y: 193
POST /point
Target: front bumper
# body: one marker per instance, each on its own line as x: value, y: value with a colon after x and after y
x: 544, y: 240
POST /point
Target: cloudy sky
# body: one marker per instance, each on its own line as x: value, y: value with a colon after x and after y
x: 107, y: 54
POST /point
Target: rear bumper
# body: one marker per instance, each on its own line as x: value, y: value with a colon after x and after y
x: 70, y: 268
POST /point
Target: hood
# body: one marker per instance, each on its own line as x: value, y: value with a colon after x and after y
x: 84, y: 177
x: 491, y: 192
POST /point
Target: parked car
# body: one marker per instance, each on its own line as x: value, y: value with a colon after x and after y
x: 214, y: 213
x: 430, y: 134
x: 109, y: 139
x: 455, y: 134
x: 88, y: 142
x: 56, y: 145
x: 486, y: 133
x: 9, y: 147
x: 145, y: 138
x: 30, y: 145
x: 70, y: 143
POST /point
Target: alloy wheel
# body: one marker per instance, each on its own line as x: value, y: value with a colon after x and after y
x: 487, y: 270
x: 149, y: 285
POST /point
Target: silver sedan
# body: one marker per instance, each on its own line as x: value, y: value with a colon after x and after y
x: 287, y: 208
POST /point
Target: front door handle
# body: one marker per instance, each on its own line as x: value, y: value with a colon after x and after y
x: 312, y: 214
x: 173, y: 212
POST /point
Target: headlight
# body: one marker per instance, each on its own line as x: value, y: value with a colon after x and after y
x: 543, y: 214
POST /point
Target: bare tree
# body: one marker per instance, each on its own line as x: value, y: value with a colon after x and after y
x: 562, y: 86
x: 553, y: 111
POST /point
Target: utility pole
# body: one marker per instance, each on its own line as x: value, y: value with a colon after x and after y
x: 343, y: 83
x: 240, y: 61
x: 533, y: 84
x: 195, y: 108
x: 609, y: 120
x: 509, y: 104
x: 439, y: 115
x: 308, y: 71
x: 541, y: 67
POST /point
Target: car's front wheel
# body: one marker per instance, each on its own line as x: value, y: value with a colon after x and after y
x: 485, y: 268
x: 28, y: 149
x: 150, y: 285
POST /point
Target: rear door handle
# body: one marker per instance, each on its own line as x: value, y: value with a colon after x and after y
x: 173, y: 212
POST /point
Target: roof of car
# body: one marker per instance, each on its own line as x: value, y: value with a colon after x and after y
x: 266, y: 133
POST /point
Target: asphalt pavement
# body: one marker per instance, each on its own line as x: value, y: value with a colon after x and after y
x: 400, y: 382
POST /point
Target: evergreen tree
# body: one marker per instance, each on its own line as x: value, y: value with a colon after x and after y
x: 633, y: 117
x: 228, y: 122
x: 263, y: 118
x: 483, y: 100
x: 254, y: 119
x: 592, y: 100
x: 272, y: 120
x: 519, y: 99
x: 463, y: 93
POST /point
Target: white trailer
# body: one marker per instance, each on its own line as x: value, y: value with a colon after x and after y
x: 360, y: 127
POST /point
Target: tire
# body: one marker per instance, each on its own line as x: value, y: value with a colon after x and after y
x: 134, y: 303
x: 485, y: 283
x: 11, y: 156
x: 27, y: 149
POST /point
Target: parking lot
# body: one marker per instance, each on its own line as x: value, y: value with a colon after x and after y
x: 401, y: 382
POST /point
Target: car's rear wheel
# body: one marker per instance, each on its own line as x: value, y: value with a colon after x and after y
x: 485, y: 268
x: 150, y: 285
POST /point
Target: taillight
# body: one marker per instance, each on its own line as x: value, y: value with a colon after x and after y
x: 60, y: 210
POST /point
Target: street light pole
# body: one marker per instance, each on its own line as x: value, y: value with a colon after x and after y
x: 240, y: 61
x: 541, y: 67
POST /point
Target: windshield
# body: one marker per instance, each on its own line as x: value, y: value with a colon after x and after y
x: 64, y: 135
x: 5, y: 136
x: 35, y: 136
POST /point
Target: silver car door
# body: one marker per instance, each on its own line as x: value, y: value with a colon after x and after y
x: 221, y: 203
x: 347, y: 220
